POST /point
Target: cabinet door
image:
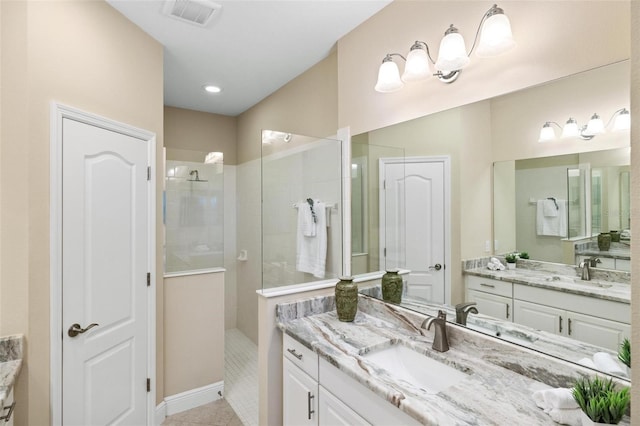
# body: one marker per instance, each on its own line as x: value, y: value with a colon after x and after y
x: 492, y: 305
x: 299, y: 395
x: 597, y: 331
x: 333, y: 412
x: 540, y: 317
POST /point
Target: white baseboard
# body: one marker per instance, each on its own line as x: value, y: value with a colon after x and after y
x: 193, y: 398
x: 161, y: 413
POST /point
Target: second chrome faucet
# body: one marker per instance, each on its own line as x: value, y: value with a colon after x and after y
x: 440, y: 341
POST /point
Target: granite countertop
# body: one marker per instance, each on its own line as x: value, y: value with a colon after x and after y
x: 600, y: 287
x: 10, y: 364
x: 501, y: 376
x: 614, y: 253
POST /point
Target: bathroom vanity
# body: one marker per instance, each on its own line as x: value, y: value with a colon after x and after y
x: 349, y: 372
x: 10, y: 365
x: 553, y: 298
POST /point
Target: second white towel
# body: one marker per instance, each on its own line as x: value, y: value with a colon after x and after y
x: 311, y: 251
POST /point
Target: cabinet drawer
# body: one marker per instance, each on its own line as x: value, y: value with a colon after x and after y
x: 300, y: 355
x: 488, y: 285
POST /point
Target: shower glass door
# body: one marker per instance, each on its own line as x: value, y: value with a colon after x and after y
x: 301, y: 209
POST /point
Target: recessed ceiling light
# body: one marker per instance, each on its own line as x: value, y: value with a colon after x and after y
x: 212, y: 89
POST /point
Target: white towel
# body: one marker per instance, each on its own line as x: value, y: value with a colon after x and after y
x: 549, y: 208
x: 559, y: 398
x: 306, y: 225
x: 566, y: 417
x: 311, y: 252
x: 588, y: 362
x: 551, y: 226
x: 495, y: 265
x: 605, y: 362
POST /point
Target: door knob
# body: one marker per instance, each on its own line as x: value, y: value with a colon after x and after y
x: 75, y: 329
x: 437, y: 267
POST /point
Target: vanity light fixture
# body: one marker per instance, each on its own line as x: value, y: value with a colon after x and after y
x: 594, y: 127
x: 496, y: 38
x: 214, y: 158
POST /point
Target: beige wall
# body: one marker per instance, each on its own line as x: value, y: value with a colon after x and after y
x: 305, y: 105
x: 45, y: 52
x: 189, y: 130
x: 194, y: 332
x: 575, y: 36
x: 635, y: 205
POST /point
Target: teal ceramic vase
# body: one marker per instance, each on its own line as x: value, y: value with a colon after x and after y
x: 392, y: 286
x: 346, y: 299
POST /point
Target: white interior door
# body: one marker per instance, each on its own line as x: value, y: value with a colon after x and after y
x: 412, y: 219
x: 105, y: 260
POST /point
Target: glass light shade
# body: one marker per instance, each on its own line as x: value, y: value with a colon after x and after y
x: 546, y: 133
x: 388, y: 78
x: 623, y: 121
x: 417, y: 66
x: 453, y: 53
x: 595, y: 126
x: 496, y: 37
x: 570, y: 129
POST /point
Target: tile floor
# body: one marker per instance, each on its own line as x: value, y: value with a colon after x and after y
x: 240, y: 403
x: 241, y: 376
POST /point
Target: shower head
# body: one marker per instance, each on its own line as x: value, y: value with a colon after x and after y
x: 197, y: 179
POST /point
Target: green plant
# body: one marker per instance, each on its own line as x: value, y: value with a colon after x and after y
x: 511, y: 257
x: 624, y: 353
x: 524, y: 255
x: 600, y: 401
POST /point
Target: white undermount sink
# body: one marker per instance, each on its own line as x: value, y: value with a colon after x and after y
x: 577, y: 280
x: 419, y: 370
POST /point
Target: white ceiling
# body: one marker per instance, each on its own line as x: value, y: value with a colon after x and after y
x: 250, y: 49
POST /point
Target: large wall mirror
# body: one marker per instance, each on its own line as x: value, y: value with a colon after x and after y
x: 498, y: 170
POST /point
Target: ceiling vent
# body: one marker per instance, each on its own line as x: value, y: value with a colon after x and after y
x: 197, y: 12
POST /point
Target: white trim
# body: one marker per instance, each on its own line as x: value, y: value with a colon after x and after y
x: 446, y: 161
x: 160, y: 414
x: 344, y: 135
x: 194, y: 398
x: 296, y: 288
x: 57, y: 113
x: 194, y: 272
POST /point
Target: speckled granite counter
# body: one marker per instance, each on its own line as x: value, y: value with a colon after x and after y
x: 619, y: 250
x: 606, y: 284
x: 10, y: 364
x: 501, y: 376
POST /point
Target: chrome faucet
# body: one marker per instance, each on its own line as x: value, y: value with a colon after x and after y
x: 586, y: 264
x: 440, y: 341
x: 463, y: 309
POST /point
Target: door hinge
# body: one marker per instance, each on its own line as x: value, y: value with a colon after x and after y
x: 385, y: 252
x: 148, y: 279
x: 384, y: 184
x: 148, y: 385
x: 149, y: 173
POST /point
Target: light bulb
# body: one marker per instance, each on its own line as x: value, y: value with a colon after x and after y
x: 570, y: 129
x: 595, y: 126
x: 417, y: 66
x: 496, y: 37
x: 453, y: 52
x: 623, y: 121
x: 388, y: 77
x: 546, y: 133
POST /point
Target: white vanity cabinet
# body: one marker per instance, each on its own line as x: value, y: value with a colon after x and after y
x: 492, y: 297
x: 299, y: 384
x: 314, y: 392
x: 6, y: 415
x: 600, y: 322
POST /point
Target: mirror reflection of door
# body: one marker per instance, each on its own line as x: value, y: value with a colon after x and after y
x: 412, y: 218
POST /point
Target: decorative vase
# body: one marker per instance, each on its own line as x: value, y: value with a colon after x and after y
x: 392, y: 286
x: 346, y: 299
x: 615, y: 236
x: 511, y: 265
x: 604, y: 241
